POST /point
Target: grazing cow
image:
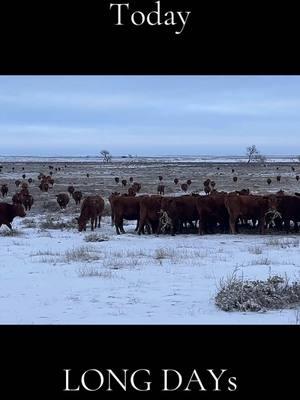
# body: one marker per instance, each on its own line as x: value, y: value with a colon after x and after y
x: 117, y: 180
x: 17, y: 182
x: 278, y: 178
x: 77, y: 196
x: 87, y: 175
x: 297, y: 177
x: 71, y: 190
x: 125, y: 207
x: 184, y: 187
x: 277, y: 168
x: 137, y: 186
x: 23, y: 168
x: 24, y: 185
x: 213, y: 184
x: 51, y: 173
x: 211, y: 210
x: 293, y: 169
x: 124, y: 182
x: 62, y: 200
x: 207, y: 189
x: 131, y: 179
x: 40, y: 176
x: 250, y: 207
x: 44, y: 186
x: 30, y: 180
x: 27, y: 201
x: 132, y: 191
x: 269, y: 181
x: 235, y: 179
x: 4, y: 189
x: 160, y: 178
x: 232, y: 170
x: 91, y: 209
x: 161, y: 189
x: 9, y: 211
x: 176, y: 181
x: 149, y: 213
x: 23, y: 176
x: 188, y: 182
x: 180, y: 210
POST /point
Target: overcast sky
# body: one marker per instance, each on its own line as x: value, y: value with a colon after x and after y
x: 149, y: 115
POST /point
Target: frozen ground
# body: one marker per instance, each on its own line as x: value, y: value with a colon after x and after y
x: 50, y: 276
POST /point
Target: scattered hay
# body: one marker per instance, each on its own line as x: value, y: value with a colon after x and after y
x: 82, y: 253
x: 275, y: 293
x: 56, y: 222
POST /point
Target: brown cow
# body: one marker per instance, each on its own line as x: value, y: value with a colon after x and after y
x: 250, y: 207
x: 62, y: 200
x: 91, y: 209
x: 17, y: 198
x: 27, y: 201
x: 125, y: 207
x: 77, y: 196
x: 149, y: 213
x: 124, y: 182
x: 161, y: 189
x: 9, y: 211
x: 4, y: 190
x: 44, y: 186
x: 110, y: 199
x: 176, y: 181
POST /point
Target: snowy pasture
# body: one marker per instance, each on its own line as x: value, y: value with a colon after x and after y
x: 52, y: 274
x: 61, y: 276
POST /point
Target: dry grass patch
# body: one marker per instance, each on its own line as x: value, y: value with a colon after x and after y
x: 255, y: 250
x: 237, y: 294
x: 90, y: 272
x: 95, y: 237
x: 9, y: 233
x: 51, y: 222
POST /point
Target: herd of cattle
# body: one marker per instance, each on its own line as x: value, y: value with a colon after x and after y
x: 215, y: 211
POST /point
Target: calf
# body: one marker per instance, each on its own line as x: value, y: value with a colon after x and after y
x: 9, y: 211
x: 91, y: 209
x: 71, y: 189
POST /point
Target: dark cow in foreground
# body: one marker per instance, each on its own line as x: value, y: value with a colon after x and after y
x: 149, y: 213
x: 125, y: 207
x: 289, y: 208
x: 212, y: 211
x: 4, y: 190
x: 250, y: 207
x: 180, y: 211
x: 91, y: 209
x: 62, y: 200
x: 161, y: 189
x: 9, y: 211
x: 77, y: 196
x: 27, y: 201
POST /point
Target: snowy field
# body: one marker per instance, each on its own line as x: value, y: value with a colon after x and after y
x: 52, y: 276
x: 59, y: 276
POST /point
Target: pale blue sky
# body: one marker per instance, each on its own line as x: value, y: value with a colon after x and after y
x: 149, y: 115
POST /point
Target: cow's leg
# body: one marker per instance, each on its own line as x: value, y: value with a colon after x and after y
x: 92, y: 223
x: 232, y: 221
x: 141, y: 225
x: 137, y: 225
x: 262, y: 225
x: 99, y: 222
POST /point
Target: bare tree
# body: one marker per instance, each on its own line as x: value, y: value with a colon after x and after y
x: 106, y: 155
x: 260, y: 158
x: 251, y: 152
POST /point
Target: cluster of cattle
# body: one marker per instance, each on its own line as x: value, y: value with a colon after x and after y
x: 210, y: 213
x: 216, y: 212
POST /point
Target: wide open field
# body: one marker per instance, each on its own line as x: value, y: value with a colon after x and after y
x: 51, y: 273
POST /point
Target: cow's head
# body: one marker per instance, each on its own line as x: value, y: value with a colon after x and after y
x: 19, y: 211
x: 81, y: 224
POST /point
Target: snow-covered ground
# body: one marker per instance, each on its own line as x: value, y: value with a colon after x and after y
x: 55, y: 277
